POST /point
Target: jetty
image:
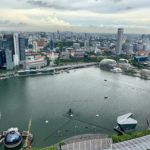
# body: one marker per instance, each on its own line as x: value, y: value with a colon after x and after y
x: 28, y: 137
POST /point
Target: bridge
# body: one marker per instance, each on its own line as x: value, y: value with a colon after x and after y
x: 48, y: 70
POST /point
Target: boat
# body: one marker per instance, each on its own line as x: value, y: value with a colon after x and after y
x: 70, y: 113
x: 116, y: 70
x: 125, y: 122
x: 13, y: 138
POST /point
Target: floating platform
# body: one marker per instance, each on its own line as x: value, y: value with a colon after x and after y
x: 8, y: 138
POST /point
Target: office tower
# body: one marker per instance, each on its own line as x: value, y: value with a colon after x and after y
x: 16, y: 44
x: 26, y: 43
x: 58, y: 35
x: 52, y: 42
x: 9, y: 59
x: 2, y: 58
x: 22, y: 48
x: 119, y: 41
x: 16, y: 55
x: 8, y: 44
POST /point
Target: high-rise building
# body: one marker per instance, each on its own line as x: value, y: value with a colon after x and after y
x: 16, y: 56
x: 22, y: 48
x: 119, y: 41
x: 7, y: 44
x: 58, y: 35
x: 16, y: 44
x: 9, y: 59
x: 2, y: 58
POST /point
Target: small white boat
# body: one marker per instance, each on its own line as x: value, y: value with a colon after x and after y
x: 46, y: 121
x: 70, y: 113
x: 125, y: 122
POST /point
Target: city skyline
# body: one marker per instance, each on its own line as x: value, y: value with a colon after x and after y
x: 73, y: 15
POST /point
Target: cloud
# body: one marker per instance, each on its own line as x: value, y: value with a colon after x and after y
x: 40, y: 3
x: 9, y: 23
x: 101, y: 6
x: 75, y: 14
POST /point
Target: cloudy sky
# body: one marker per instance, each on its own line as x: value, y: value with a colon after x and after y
x: 75, y: 15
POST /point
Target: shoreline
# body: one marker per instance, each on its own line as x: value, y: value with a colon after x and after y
x: 14, y: 75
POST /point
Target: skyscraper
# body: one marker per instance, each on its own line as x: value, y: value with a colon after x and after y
x: 16, y: 44
x: 8, y: 44
x: 16, y: 55
x: 22, y: 48
x: 119, y: 41
x: 9, y: 60
x: 2, y: 58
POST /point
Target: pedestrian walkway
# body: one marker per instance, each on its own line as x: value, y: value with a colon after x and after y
x: 98, y: 143
x: 142, y: 143
x: 88, y: 142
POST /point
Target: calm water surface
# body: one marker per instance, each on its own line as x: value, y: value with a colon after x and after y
x: 49, y: 98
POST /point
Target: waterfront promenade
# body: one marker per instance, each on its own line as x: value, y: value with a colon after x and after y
x: 142, y: 143
x: 54, y: 69
x: 98, y: 143
x: 88, y: 142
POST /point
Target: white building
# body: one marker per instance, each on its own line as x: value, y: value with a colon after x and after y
x: 16, y: 56
x: 119, y: 41
x: 35, y: 63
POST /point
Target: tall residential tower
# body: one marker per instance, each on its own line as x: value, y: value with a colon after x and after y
x: 119, y: 41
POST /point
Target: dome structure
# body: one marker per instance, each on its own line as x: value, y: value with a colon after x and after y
x: 12, y: 139
x: 108, y: 63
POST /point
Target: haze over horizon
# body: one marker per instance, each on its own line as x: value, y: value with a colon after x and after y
x: 75, y: 15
